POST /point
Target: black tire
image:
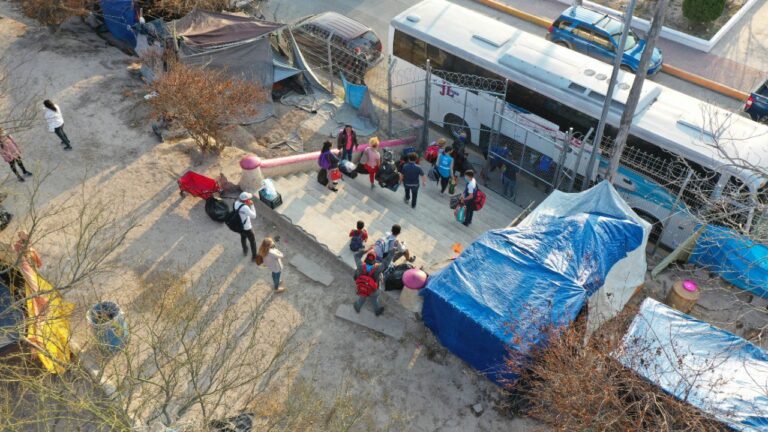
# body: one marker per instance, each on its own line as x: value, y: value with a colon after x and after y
x: 656, y: 226
x: 563, y: 43
x: 455, y: 125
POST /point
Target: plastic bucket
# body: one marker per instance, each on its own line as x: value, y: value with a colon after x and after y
x: 108, y: 324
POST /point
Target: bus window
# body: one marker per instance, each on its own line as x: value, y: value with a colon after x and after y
x: 409, y: 49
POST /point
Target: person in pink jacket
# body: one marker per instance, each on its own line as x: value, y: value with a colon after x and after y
x: 11, y: 154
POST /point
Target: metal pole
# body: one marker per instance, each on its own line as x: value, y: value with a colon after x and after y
x: 578, y: 159
x: 389, y: 95
x: 561, y: 159
x: 427, y: 94
x: 672, y: 210
x: 609, y: 97
x: 330, y: 61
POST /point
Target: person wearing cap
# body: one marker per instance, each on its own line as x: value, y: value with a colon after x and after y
x: 369, y: 266
x: 244, y: 207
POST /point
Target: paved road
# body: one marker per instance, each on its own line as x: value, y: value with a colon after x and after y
x: 726, y: 61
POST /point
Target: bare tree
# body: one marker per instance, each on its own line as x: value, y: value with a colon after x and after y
x: 637, y: 86
x: 203, y: 101
x: 17, y: 112
x: 54, y: 12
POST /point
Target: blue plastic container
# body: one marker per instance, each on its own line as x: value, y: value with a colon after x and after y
x: 108, y: 323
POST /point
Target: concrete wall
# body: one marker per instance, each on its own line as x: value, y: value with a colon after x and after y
x: 675, y: 35
x: 280, y: 167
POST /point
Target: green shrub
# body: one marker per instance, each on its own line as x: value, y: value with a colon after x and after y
x: 702, y: 11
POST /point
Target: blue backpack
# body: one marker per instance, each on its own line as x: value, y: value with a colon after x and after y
x: 357, y: 242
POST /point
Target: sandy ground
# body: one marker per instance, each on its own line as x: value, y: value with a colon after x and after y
x: 116, y: 156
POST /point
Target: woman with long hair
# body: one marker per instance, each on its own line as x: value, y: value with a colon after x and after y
x: 11, y: 154
x: 372, y: 159
x: 330, y: 163
x: 273, y: 259
x: 56, y: 122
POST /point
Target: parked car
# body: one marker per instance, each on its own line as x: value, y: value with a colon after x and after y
x: 355, y: 47
x: 597, y: 34
x: 757, y: 104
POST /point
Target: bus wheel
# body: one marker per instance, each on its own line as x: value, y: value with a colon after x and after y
x: 656, y: 227
x: 563, y: 43
x: 626, y: 68
x: 455, y: 125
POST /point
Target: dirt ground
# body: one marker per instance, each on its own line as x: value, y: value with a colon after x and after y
x: 413, y: 383
x: 675, y: 19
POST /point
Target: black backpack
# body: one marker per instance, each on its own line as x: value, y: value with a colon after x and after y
x: 234, y: 221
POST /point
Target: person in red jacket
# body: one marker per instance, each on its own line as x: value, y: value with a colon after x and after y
x: 11, y: 154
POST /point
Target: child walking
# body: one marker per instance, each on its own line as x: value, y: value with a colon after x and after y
x: 11, y: 154
x: 359, y: 236
x: 273, y: 259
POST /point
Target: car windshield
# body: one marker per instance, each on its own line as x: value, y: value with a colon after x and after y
x: 631, y: 40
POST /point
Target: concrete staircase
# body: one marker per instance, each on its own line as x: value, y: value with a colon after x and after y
x: 429, y: 230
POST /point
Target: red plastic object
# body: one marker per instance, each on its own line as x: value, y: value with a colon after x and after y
x: 198, y: 185
x: 690, y: 285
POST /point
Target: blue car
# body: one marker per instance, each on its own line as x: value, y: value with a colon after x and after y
x: 597, y: 34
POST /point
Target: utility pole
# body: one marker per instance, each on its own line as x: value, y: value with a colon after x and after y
x: 637, y: 86
x: 609, y: 96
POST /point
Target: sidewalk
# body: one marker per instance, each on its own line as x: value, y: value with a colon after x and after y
x: 740, y: 60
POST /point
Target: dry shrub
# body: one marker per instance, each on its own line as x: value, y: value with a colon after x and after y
x: 202, y: 101
x: 576, y: 386
x: 175, y: 9
x: 55, y: 12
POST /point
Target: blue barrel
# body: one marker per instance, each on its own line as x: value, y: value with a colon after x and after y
x: 108, y: 323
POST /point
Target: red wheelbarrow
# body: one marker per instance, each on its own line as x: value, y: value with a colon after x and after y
x: 198, y: 185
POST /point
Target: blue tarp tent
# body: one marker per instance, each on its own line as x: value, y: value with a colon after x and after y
x: 734, y: 257
x: 522, y: 279
x: 119, y: 16
x: 709, y: 368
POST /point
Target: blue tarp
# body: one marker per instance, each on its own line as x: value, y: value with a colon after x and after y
x: 522, y: 279
x: 709, y: 368
x: 734, y: 257
x: 119, y: 15
x: 354, y: 94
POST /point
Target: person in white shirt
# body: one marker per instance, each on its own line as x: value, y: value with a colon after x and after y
x: 469, y: 195
x: 56, y: 122
x: 244, y: 207
x: 389, y: 244
x: 273, y: 259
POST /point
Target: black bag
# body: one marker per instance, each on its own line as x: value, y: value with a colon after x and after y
x: 360, y: 169
x: 272, y: 203
x: 322, y: 177
x: 454, y: 201
x: 233, y: 220
x: 348, y: 168
x: 388, y: 174
x: 216, y: 209
x: 5, y: 218
x: 393, y: 277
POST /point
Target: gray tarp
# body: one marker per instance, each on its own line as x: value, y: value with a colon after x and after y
x: 208, y: 29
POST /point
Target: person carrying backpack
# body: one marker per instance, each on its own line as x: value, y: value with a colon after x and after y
x: 389, y: 247
x: 468, y: 197
x: 244, y: 209
x: 359, y: 237
x: 330, y: 163
x: 445, y: 168
x: 409, y: 177
x: 367, y: 281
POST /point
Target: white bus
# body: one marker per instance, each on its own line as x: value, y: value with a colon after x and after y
x: 552, y: 88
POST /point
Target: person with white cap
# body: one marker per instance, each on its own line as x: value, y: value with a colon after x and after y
x: 244, y: 207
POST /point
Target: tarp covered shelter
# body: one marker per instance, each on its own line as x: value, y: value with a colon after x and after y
x: 717, y: 372
x: 119, y: 16
x: 511, y: 283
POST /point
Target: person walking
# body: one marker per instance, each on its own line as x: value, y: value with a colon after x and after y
x: 347, y: 142
x: 469, y: 195
x: 367, y: 281
x: 509, y: 180
x: 390, y: 246
x: 409, y: 177
x: 330, y: 163
x: 11, y: 154
x: 372, y: 159
x: 56, y: 122
x: 445, y: 168
x: 273, y: 259
x: 244, y: 207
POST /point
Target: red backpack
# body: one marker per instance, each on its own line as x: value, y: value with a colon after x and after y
x: 479, y: 200
x: 431, y: 154
x: 366, y: 283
